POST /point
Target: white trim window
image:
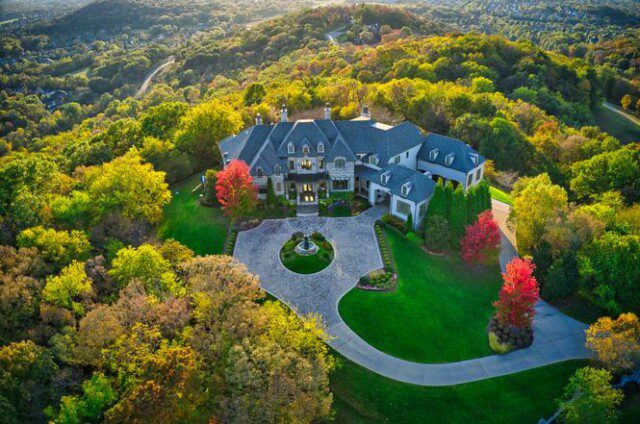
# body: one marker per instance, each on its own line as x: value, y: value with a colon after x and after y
x: 405, y: 189
x: 433, y: 154
x: 373, y: 160
x: 320, y: 147
x: 340, y: 162
x: 277, y: 170
x: 259, y: 172
x: 403, y: 207
x: 448, y: 160
x: 291, y: 149
x: 305, y: 150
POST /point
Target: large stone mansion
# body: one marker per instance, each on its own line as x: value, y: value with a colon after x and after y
x: 311, y: 158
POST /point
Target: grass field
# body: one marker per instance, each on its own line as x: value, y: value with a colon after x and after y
x: 500, y: 195
x: 203, y: 229
x: 438, y: 313
x: 617, y: 125
x: 361, y: 396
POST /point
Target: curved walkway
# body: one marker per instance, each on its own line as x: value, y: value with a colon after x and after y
x: 557, y: 337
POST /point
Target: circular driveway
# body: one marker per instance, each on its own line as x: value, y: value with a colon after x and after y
x: 356, y: 253
x: 557, y: 337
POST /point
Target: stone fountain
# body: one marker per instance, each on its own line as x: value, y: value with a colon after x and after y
x: 306, y: 247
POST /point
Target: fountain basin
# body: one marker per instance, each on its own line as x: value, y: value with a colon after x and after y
x: 306, y: 248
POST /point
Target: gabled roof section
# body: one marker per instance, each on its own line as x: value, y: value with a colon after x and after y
x: 245, y: 145
x: 266, y: 160
x: 465, y: 158
x: 303, y: 133
x: 391, y: 141
x: 421, y: 185
x: 340, y: 149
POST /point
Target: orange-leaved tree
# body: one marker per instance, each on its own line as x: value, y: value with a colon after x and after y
x: 518, y: 296
x: 235, y: 190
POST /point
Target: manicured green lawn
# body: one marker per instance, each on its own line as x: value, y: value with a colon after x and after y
x: 500, y: 195
x: 438, y: 313
x: 617, y: 125
x: 306, y: 264
x: 361, y: 396
x: 203, y: 229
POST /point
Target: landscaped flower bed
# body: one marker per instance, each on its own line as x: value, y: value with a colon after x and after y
x: 378, y: 280
x: 308, y: 264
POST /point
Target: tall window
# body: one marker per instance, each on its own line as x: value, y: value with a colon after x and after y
x: 277, y: 170
x: 320, y: 148
x: 305, y: 150
x: 478, y: 174
x: 259, y: 172
x: 469, y: 179
x: 291, y: 148
x: 403, y: 207
x: 306, y: 164
x: 373, y: 160
x: 340, y: 162
x: 321, y: 164
x: 396, y: 159
x: 422, y: 210
x: 292, y: 165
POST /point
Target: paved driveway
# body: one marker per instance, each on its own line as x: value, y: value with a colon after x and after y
x: 356, y: 253
x: 557, y: 337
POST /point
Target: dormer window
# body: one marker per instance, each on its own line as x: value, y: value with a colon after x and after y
x: 448, y: 160
x: 373, y: 160
x: 259, y: 172
x: 320, y: 148
x: 406, y: 188
x: 385, y: 177
x: 474, y: 158
x: 291, y: 149
x: 305, y: 150
x: 433, y: 155
x: 340, y: 162
x: 277, y: 170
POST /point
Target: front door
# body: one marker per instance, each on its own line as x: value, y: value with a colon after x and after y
x: 308, y: 195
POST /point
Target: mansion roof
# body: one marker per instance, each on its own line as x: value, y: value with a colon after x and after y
x: 269, y: 145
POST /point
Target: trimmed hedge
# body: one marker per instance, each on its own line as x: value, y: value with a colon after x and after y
x: 231, y: 242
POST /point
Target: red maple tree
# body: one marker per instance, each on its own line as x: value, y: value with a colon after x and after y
x: 235, y: 190
x: 481, y: 241
x: 519, y: 294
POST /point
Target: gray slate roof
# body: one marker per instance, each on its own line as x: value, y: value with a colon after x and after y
x: 422, y: 186
x: 266, y: 145
x: 462, y: 152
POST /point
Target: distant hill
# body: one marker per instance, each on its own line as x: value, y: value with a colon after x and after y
x: 112, y: 14
x: 273, y: 39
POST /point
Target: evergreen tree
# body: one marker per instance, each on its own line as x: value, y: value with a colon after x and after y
x: 457, y: 216
x: 408, y: 225
x: 448, y: 194
x: 271, y: 193
x: 436, y: 203
x: 471, y: 201
x: 484, y: 194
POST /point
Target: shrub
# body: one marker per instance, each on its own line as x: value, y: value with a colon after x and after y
x: 481, y: 242
x: 436, y: 232
x: 616, y: 342
x: 497, y: 346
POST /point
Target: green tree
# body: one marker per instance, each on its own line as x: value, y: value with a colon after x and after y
x: 625, y: 102
x: 254, y: 93
x: 59, y: 248
x: 98, y: 394
x: 161, y: 121
x: 617, y: 170
x: 589, y: 398
x: 271, y: 194
x: 437, y: 205
x: 202, y: 127
x: 437, y: 233
x: 457, y: 216
x: 448, y: 198
x: 26, y: 382
x: 128, y: 186
x: 408, y: 225
x: 482, y: 85
x: 68, y: 288
x: 146, y: 264
x: 536, y: 201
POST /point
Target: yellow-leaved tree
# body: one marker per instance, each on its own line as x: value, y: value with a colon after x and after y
x: 616, y: 342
